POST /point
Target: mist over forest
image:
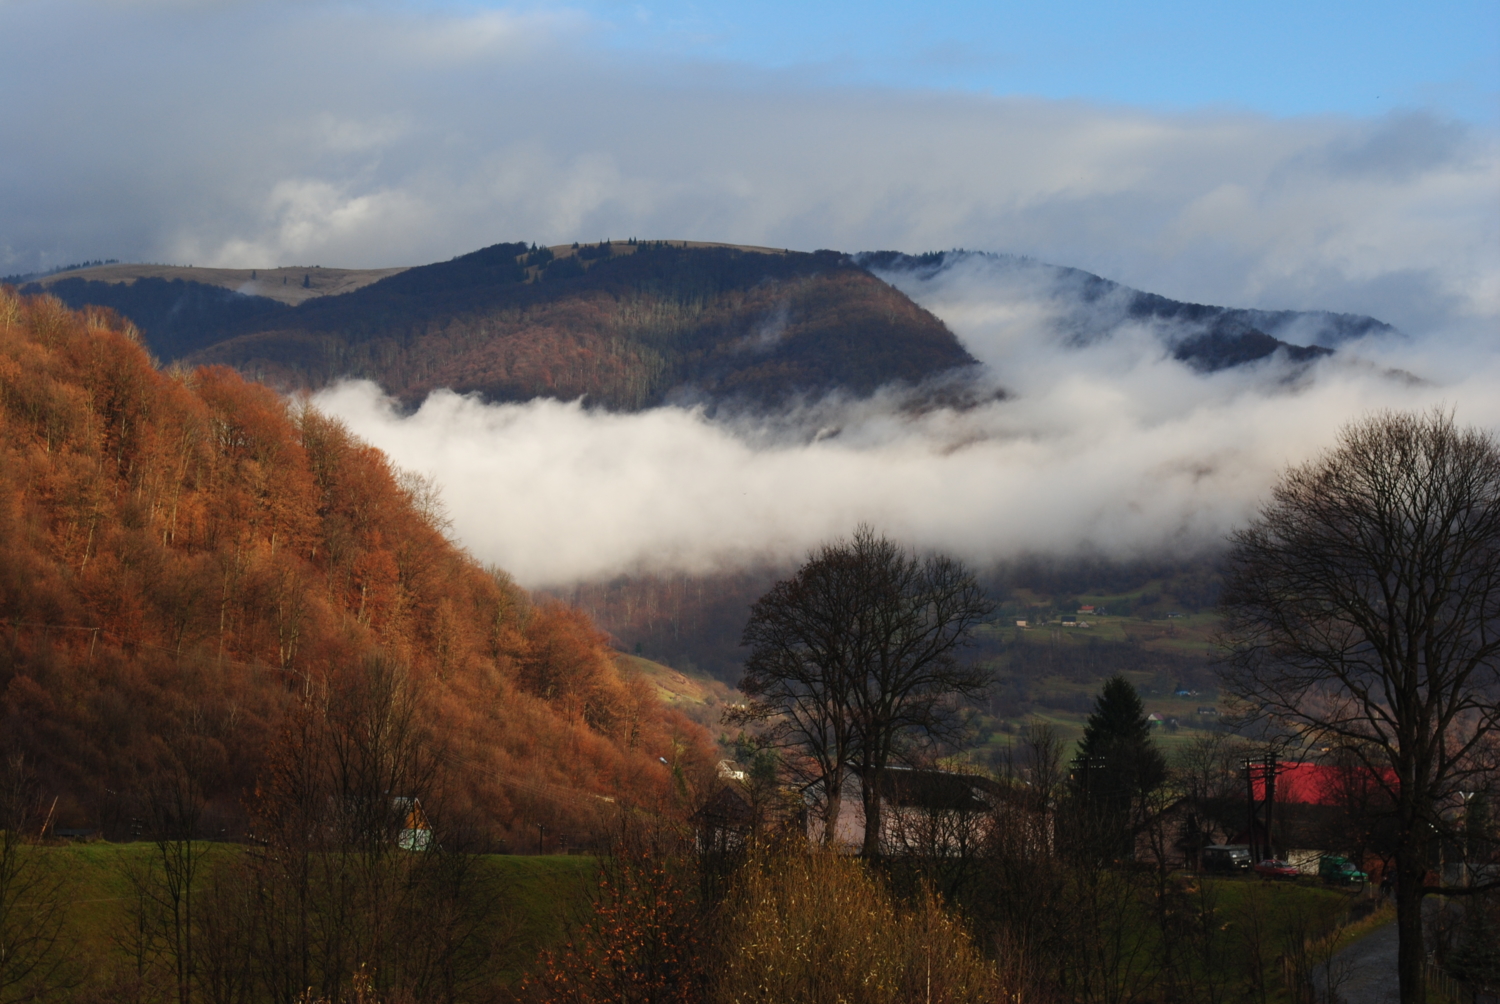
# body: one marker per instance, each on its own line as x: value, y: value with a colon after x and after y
x: 1090, y: 437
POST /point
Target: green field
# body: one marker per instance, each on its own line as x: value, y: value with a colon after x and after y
x: 1052, y: 671
x: 539, y: 895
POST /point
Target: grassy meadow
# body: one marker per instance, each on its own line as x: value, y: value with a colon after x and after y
x: 539, y: 895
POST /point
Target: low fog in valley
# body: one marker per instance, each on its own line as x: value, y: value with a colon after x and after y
x: 1098, y: 444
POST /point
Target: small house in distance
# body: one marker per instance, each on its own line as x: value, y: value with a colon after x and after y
x: 931, y: 813
x: 740, y: 811
x: 416, y: 832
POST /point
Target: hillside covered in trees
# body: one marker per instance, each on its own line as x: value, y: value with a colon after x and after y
x: 189, y: 566
x: 624, y: 325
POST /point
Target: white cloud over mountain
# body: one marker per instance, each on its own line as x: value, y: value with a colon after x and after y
x: 310, y: 133
x: 1112, y: 447
x: 278, y: 132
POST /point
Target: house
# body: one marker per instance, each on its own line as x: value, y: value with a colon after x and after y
x: 725, y: 821
x: 738, y: 811
x: 1086, y: 609
x: 1020, y: 624
x: 416, y: 832
x: 932, y: 813
x: 1154, y: 719
x: 1208, y: 709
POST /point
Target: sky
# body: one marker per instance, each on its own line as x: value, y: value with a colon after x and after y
x: 1288, y: 155
x: 1278, y: 155
x: 1281, y: 58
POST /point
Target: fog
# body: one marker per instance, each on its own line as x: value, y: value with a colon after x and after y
x: 1109, y: 445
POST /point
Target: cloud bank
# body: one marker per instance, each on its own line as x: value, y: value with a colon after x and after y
x: 361, y: 135
x: 1111, y: 447
x: 367, y: 134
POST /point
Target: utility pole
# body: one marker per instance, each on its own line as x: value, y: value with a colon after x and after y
x: 540, y: 829
x: 1264, y: 769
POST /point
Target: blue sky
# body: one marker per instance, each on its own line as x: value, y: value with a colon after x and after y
x: 1281, y: 58
x: 1333, y: 156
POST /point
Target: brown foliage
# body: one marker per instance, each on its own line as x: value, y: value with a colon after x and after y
x: 733, y: 324
x: 188, y: 545
x: 642, y: 943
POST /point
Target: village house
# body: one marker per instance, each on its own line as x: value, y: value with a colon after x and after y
x: 931, y: 813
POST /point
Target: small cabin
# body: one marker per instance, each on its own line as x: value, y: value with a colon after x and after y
x: 416, y: 832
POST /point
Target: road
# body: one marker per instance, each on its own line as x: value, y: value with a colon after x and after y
x: 1367, y: 969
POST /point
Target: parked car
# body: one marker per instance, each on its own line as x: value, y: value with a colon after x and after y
x: 1276, y: 868
x: 1338, y: 870
x: 1226, y: 858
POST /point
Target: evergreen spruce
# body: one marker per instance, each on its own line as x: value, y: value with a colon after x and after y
x: 1118, y: 762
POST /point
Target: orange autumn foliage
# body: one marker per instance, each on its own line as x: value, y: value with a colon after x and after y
x: 188, y: 551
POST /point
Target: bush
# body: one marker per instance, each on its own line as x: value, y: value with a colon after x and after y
x: 819, y: 928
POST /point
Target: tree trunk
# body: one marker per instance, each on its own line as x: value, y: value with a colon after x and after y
x: 833, y: 803
x: 869, y: 786
x: 1410, y: 952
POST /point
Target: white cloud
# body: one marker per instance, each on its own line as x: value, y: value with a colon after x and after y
x: 258, y: 133
x: 364, y: 135
x: 1111, y: 447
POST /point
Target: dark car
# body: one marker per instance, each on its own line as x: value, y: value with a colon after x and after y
x: 1226, y: 858
x: 1276, y: 868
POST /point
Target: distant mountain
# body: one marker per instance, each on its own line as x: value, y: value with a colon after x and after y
x: 1084, y: 308
x: 626, y: 325
x: 632, y: 325
x: 288, y: 284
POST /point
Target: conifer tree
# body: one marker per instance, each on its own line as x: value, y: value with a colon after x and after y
x: 1118, y: 763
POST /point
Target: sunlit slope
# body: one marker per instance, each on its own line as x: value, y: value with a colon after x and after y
x: 693, y: 693
x: 189, y: 551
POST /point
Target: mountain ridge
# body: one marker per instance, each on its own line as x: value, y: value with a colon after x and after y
x: 638, y: 324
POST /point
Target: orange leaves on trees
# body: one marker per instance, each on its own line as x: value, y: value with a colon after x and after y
x: 190, y: 544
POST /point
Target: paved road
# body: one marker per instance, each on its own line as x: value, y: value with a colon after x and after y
x: 1368, y: 969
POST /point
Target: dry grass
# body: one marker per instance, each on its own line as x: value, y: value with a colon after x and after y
x: 820, y: 929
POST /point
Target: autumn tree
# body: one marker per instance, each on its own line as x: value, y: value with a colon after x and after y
x: 189, y: 543
x: 643, y: 940
x: 1362, y: 612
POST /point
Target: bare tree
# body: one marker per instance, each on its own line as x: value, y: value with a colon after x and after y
x: 914, y: 619
x: 31, y: 894
x: 1363, y: 612
x: 856, y: 656
x: 803, y: 660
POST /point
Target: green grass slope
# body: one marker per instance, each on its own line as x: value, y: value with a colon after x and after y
x: 537, y: 897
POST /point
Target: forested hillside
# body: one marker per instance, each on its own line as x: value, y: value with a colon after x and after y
x: 625, y: 325
x: 189, y: 566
